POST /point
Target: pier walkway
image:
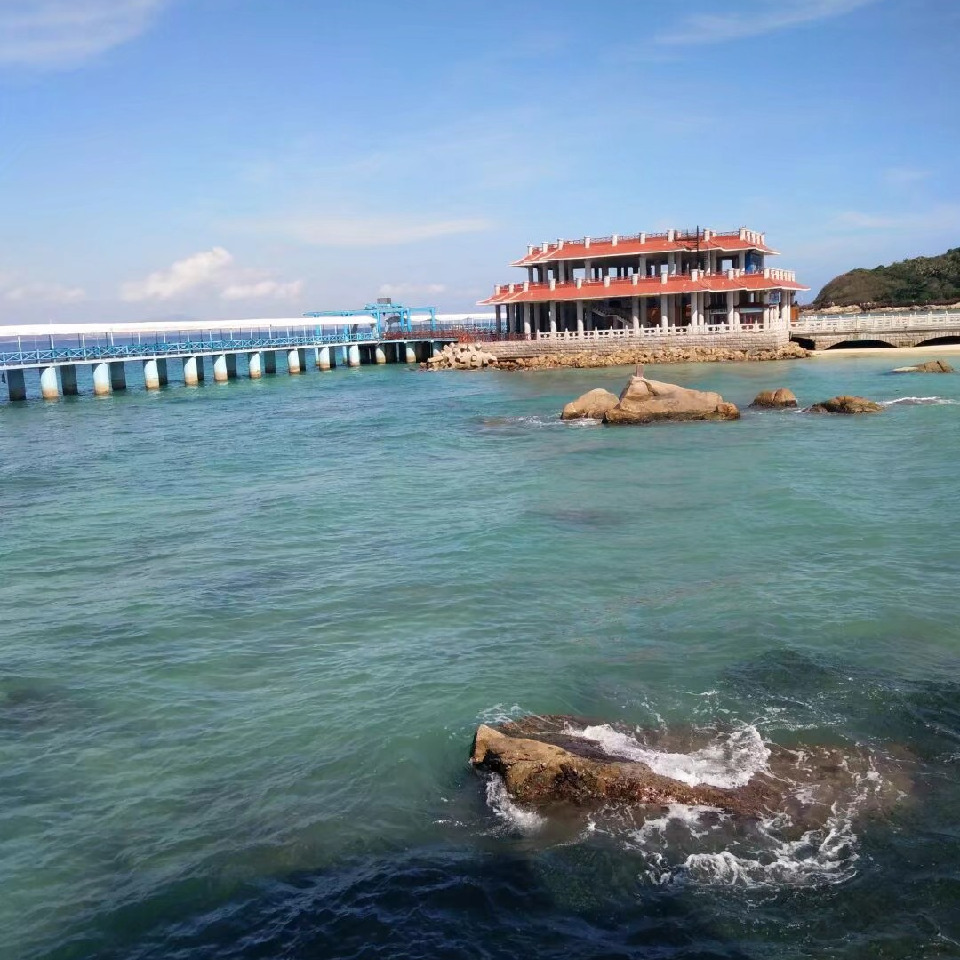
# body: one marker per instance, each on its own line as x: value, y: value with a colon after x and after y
x: 907, y: 329
x: 58, y: 358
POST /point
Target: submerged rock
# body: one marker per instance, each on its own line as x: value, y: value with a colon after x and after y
x: 592, y: 405
x: 646, y: 401
x: 775, y: 399
x: 847, y: 404
x: 931, y: 366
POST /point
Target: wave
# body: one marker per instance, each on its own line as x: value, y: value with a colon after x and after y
x: 919, y: 401
x: 517, y: 818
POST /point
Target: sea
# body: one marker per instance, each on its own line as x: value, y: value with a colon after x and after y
x: 247, y: 633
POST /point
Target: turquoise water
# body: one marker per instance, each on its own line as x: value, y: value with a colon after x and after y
x: 248, y: 631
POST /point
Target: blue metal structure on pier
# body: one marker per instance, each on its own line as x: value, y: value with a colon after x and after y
x: 389, y: 317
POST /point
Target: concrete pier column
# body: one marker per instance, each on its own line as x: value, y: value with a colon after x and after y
x: 101, y: 380
x: 118, y: 375
x: 191, y: 371
x: 664, y: 311
x: 785, y: 309
x: 16, y: 385
x: 49, y: 383
x: 220, y: 374
x: 353, y: 355
x: 151, y: 375
x: 553, y: 316
x: 293, y: 362
x: 323, y: 358
x: 68, y: 380
x: 580, y: 317
x: 526, y: 321
x: 378, y: 354
x: 255, y: 365
x: 269, y: 361
x: 409, y: 353
x: 635, y: 314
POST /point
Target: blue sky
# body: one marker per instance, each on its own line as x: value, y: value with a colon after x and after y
x: 229, y: 158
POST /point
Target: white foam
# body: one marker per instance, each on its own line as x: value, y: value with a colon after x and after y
x: 498, y: 800
x: 919, y: 400
x: 731, y: 760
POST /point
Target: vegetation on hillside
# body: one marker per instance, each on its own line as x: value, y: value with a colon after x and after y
x: 923, y: 280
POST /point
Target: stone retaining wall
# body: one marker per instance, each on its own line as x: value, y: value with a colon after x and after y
x: 513, y: 349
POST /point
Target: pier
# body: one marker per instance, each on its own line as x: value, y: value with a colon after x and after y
x: 56, y: 360
x: 906, y: 329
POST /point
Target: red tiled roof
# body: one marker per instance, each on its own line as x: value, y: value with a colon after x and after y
x: 631, y: 246
x: 644, y: 287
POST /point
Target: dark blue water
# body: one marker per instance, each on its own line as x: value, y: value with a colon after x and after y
x: 248, y: 631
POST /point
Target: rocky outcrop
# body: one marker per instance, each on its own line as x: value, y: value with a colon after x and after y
x: 775, y: 399
x: 847, y: 405
x: 537, y: 772
x: 647, y: 401
x: 633, y: 355
x: 592, y: 405
x: 931, y: 366
x: 461, y: 356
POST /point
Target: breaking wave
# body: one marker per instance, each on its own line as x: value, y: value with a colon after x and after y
x: 919, y: 401
x: 513, y: 816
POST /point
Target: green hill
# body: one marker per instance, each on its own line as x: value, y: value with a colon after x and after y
x: 923, y: 280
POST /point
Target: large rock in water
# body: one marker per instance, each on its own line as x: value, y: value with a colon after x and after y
x: 846, y: 405
x: 776, y: 399
x: 538, y: 772
x: 645, y: 401
x: 931, y: 366
x: 592, y: 405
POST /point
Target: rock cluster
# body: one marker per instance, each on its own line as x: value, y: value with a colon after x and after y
x: 775, y: 399
x: 931, y: 366
x: 646, y: 401
x: 461, y: 356
x: 629, y: 356
x: 846, y: 405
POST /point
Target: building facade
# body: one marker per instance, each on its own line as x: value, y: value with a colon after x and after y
x: 671, y: 283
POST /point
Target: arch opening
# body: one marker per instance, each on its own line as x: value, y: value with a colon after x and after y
x: 937, y: 341
x: 861, y: 344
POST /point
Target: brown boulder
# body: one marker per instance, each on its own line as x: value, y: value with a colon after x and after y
x: 846, y: 405
x: 776, y: 399
x: 645, y: 401
x: 592, y: 405
x: 536, y: 772
x: 931, y: 366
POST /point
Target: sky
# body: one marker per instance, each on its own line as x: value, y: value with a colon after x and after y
x: 168, y: 159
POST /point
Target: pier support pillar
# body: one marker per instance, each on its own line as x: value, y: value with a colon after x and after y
x: 162, y: 372
x: 269, y: 361
x: 635, y: 315
x: 16, y: 385
x: 664, y: 311
x: 118, y: 375
x: 220, y: 374
x: 353, y: 355
x: 580, y: 318
x: 151, y: 375
x: 553, y: 316
x: 379, y: 355
x: 732, y: 318
x: 409, y: 353
x: 255, y: 365
x: 68, y: 380
x: 323, y: 358
x: 192, y: 371
x: 49, y: 384
x: 526, y: 321
x: 293, y: 362
x: 101, y: 380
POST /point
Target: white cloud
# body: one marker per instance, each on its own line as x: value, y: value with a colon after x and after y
x: 370, y: 231
x: 43, y: 293
x: 199, y: 270
x: 767, y: 17
x: 263, y: 289
x: 63, y: 33
x: 411, y: 289
x: 210, y: 272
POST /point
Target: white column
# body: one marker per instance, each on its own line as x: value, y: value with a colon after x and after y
x: 664, y: 311
x: 553, y: 316
x: 580, y: 317
x: 220, y: 374
x: 191, y: 373
x: 785, y: 309
x: 635, y: 314
x: 409, y: 354
x: 255, y: 365
x: 151, y: 375
x: 101, y: 380
x: 49, y: 384
x: 323, y: 359
x: 526, y: 321
x: 293, y: 361
x: 731, y: 312
x: 378, y: 354
x: 353, y: 355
